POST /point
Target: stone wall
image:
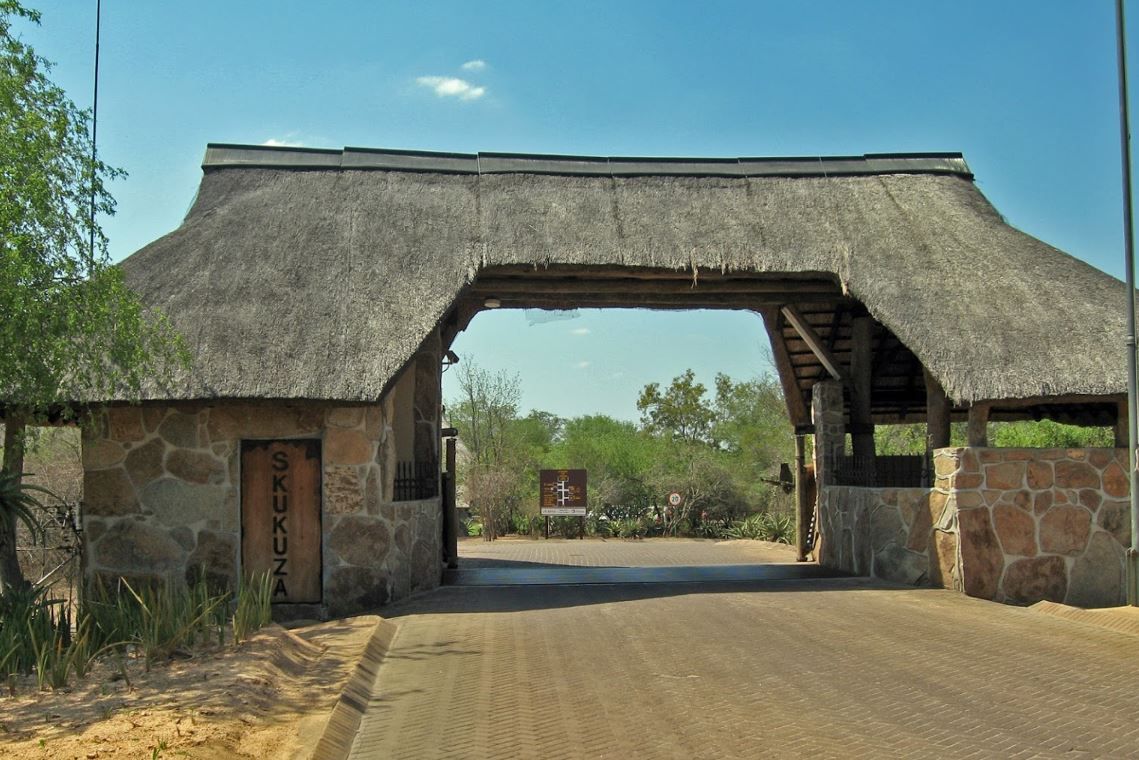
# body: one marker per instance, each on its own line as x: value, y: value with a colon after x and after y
x: 161, y: 496
x: 1011, y: 525
x: 1039, y: 523
x: 904, y: 535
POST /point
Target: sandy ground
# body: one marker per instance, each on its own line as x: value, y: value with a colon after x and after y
x: 269, y: 697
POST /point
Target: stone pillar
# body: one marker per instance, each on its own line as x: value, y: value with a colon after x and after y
x: 830, y: 430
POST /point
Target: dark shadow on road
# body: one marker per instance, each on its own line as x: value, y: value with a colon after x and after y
x: 538, y: 575
x: 479, y: 563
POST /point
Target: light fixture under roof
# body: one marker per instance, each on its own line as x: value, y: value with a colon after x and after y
x: 492, y: 303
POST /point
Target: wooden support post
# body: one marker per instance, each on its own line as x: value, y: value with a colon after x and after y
x: 802, y: 508
x: 936, y: 424
x: 861, y: 425
x: 936, y: 413
x: 450, y: 510
x: 978, y: 428
x: 1121, y: 425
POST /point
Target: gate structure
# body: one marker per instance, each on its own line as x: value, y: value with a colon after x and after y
x: 318, y: 291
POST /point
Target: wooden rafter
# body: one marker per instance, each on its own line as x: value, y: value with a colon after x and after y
x: 796, y: 406
x: 811, y: 338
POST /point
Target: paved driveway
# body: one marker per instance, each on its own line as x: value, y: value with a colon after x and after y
x: 816, y: 668
x: 593, y: 552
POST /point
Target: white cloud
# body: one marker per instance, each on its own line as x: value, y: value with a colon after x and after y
x: 477, y: 64
x: 580, y: 331
x: 583, y: 364
x: 452, y: 87
x: 273, y: 142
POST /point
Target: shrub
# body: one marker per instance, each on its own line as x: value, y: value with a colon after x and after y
x: 763, y: 526
x: 630, y: 527
x: 526, y: 525
x: 17, y: 503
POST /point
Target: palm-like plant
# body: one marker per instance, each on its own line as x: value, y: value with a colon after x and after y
x: 18, y: 502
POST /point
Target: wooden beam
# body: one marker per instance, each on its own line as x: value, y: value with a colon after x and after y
x: 581, y: 271
x: 1014, y: 403
x: 978, y: 425
x: 530, y: 286
x: 811, y: 338
x: 936, y: 413
x: 792, y: 395
x: 832, y: 340
x: 696, y: 300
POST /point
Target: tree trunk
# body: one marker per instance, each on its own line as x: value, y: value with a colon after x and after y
x: 10, y: 573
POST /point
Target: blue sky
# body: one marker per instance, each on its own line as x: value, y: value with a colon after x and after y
x: 1025, y: 89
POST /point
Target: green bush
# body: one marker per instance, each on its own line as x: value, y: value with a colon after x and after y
x: 523, y: 524
x: 630, y: 527
x: 566, y: 527
x: 18, y: 504
x: 474, y: 528
x: 763, y: 526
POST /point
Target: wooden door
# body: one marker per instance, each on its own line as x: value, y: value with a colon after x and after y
x: 280, y: 516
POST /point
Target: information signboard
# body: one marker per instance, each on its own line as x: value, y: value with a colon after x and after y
x: 562, y: 492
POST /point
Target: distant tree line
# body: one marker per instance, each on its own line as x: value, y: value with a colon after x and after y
x: 712, y: 448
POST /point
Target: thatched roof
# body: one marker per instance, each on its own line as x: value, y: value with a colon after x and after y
x: 308, y: 274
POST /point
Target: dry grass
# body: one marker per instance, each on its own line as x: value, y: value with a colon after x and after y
x: 267, y: 698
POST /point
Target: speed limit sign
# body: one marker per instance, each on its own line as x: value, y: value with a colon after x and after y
x: 674, y: 499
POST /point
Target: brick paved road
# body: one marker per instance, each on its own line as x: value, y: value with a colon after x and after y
x: 474, y: 552
x: 822, y: 668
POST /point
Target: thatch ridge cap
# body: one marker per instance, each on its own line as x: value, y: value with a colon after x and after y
x: 230, y: 156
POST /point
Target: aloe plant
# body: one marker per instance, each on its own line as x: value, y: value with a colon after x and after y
x: 18, y: 502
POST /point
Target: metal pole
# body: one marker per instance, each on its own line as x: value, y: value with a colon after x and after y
x: 1129, y: 264
x: 95, y: 126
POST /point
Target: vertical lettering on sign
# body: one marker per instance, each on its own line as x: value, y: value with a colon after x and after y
x: 280, y: 534
x: 280, y: 517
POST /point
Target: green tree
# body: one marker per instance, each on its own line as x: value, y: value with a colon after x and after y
x: 710, y: 490
x: 70, y: 330
x: 618, y: 458
x: 751, y: 424
x: 681, y: 411
x: 487, y: 404
x: 486, y: 416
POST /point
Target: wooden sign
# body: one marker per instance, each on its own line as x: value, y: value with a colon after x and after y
x: 562, y: 492
x: 280, y: 517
